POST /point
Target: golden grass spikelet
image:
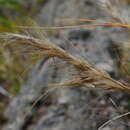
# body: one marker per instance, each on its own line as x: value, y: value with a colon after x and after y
x: 87, y: 75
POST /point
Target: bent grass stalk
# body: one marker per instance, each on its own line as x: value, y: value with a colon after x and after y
x: 87, y: 76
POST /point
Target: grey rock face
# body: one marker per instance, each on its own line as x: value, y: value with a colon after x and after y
x: 75, y: 108
x: 55, y: 10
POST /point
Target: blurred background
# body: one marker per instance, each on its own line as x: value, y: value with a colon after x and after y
x: 14, y: 68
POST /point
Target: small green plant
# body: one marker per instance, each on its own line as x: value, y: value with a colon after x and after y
x: 16, y: 11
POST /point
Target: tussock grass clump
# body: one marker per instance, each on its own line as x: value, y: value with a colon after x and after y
x: 87, y: 75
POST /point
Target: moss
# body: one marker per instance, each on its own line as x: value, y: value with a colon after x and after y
x: 14, y: 89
